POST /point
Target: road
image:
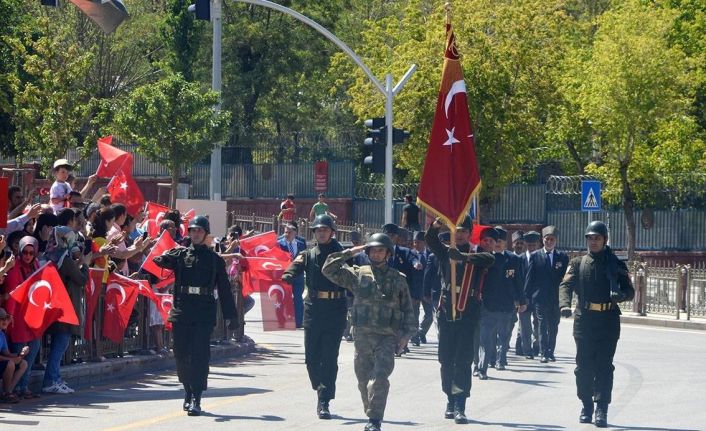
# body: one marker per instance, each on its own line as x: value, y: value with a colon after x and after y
x: 660, y: 382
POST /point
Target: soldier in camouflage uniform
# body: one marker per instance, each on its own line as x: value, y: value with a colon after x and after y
x: 382, y: 319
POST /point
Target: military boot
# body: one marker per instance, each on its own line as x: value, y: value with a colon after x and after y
x: 322, y: 409
x: 373, y: 425
x: 187, y: 397
x: 449, y: 413
x: 586, y: 412
x: 195, y: 407
x: 601, y: 415
x: 460, y: 409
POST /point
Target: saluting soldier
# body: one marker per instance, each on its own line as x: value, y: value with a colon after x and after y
x: 382, y: 319
x: 201, y: 281
x: 600, y: 281
x: 456, y: 346
x: 325, y: 313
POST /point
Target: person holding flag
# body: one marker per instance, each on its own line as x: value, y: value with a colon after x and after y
x: 200, y: 281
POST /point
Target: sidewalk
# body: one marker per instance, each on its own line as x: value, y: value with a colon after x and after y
x: 89, y: 374
x: 665, y: 321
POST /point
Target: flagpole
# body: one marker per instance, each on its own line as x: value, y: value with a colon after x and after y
x: 452, y: 265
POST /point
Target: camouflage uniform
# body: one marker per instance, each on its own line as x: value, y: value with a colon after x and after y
x: 381, y: 315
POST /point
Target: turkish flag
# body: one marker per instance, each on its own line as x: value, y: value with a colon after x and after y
x: 112, y: 159
x: 43, y: 300
x: 277, y: 305
x: 155, y: 215
x: 144, y: 289
x: 123, y: 189
x: 164, y: 243
x: 451, y: 177
x: 120, y: 296
x: 164, y: 304
x: 258, y: 272
x: 264, y: 245
x: 93, y: 290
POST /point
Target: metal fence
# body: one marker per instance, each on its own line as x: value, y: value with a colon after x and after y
x: 519, y: 203
x: 678, y: 290
x: 256, y: 181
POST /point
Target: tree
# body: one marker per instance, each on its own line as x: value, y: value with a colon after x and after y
x: 173, y: 122
x: 630, y: 81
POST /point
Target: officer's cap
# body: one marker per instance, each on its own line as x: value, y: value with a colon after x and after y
x: 502, y: 233
x: 419, y: 235
x: 518, y: 236
x: 532, y: 236
x: 391, y: 229
x: 550, y: 230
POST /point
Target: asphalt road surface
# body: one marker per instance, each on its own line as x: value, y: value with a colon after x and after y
x: 660, y: 384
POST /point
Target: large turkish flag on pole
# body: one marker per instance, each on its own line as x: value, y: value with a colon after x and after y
x: 43, y: 300
x: 451, y: 177
x: 112, y: 159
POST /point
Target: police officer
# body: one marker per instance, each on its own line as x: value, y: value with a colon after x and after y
x: 325, y: 313
x: 201, y: 280
x: 600, y: 281
x: 382, y: 319
x: 456, y: 346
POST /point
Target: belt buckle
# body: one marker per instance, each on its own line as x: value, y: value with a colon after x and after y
x: 193, y: 290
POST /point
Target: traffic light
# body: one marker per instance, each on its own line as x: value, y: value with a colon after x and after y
x: 202, y: 9
x: 375, y: 143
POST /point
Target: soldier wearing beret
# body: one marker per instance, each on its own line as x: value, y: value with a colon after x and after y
x: 458, y: 320
x: 600, y: 281
x: 547, y: 267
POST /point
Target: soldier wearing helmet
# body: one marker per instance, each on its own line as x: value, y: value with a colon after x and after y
x: 201, y: 281
x: 600, y: 281
x: 325, y: 311
x: 382, y: 318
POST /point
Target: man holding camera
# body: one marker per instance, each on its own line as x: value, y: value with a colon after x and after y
x: 600, y: 282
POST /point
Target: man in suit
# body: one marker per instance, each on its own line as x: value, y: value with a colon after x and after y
x: 420, y: 246
x: 546, y: 270
x: 294, y: 244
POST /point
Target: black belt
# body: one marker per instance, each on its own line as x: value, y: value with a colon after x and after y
x: 196, y: 290
x: 321, y: 294
x: 600, y: 306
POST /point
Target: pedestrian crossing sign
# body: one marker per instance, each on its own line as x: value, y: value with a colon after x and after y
x: 590, y: 195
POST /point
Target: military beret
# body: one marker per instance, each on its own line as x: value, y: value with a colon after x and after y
x: 419, y: 235
x: 489, y: 232
x: 550, y: 230
x: 532, y: 236
x: 445, y: 236
x: 502, y: 233
x: 391, y: 228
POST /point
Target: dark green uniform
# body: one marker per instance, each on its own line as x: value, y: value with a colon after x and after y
x: 381, y: 314
x: 597, y: 320
x: 325, y: 311
x: 201, y: 280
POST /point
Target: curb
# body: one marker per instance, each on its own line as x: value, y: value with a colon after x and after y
x: 96, y: 373
x: 663, y: 323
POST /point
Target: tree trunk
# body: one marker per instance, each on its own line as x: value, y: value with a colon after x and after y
x: 628, y: 208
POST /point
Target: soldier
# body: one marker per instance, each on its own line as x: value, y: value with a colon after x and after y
x: 600, y: 281
x: 456, y: 346
x: 325, y: 313
x: 546, y: 269
x: 518, y: 247
x: 382, y: 319
x: 201, y: 280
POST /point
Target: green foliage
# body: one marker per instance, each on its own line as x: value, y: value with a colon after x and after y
x: 173, y: 122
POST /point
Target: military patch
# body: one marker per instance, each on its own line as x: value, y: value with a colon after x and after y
x: 299, y: 258
x: 510, y: 273
x: 558, y: 265
x: 189, y: 260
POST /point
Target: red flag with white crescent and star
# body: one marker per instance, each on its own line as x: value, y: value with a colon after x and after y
x: 94, y: 284
x: 43, y: 300
x: 155, y: 214
x: 123, y: 189
x: 120, y: 297
x: 164, y: 305
x: 112, y: 159
x: 277, y: 305
x: 451, y: 177
x: 163, y: 244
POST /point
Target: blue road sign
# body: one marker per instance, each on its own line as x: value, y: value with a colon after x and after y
x: 590, y: 195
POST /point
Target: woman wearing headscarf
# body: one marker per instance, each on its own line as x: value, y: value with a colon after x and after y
x: 18, y: 332
x: 63, y: 251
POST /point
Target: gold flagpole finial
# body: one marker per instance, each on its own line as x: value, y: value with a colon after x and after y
x: 447, y: 8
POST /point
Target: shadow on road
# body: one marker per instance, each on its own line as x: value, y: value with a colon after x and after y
x: 228, y: 418
x: 519, y: 426
x: 644, y: 428
x: 354, y: 421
